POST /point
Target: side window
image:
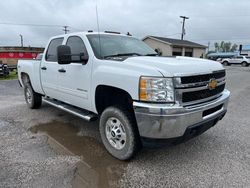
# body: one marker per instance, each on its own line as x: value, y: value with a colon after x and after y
x: 77, y: 46
x: 51, y: 54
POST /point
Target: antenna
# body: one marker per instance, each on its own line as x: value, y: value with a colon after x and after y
x: 98, y: 29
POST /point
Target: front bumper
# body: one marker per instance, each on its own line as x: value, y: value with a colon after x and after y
x: 163, y: 121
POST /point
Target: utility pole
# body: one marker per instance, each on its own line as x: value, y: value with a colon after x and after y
x: 21, y: 36
x: 183, y: 26
x: 65, y: 29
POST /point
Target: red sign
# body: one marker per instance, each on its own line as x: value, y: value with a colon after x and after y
x: 18, y: 55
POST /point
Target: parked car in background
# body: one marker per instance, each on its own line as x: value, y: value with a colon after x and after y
x: 4, y: 70
x: 241, y: 60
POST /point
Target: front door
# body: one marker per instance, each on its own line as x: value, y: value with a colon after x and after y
x: 74, y: 79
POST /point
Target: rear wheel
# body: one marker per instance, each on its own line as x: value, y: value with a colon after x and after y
x: 119, y: 132
x: 33, y: 99
x: 244, y: 64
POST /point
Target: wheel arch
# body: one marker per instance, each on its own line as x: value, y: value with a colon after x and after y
x: 109, y: 95
x: 25, y: 78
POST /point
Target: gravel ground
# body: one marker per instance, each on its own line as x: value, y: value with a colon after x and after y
x: 26, y: 160
x: 218, y: 158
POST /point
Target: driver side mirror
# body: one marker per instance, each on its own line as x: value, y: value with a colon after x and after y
x: 64, y: 54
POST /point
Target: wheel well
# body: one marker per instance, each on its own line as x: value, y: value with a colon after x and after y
x: 106, y: 96
x: 25, y: 78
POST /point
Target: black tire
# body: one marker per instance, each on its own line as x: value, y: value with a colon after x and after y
x: 33, y: 99
x: 244, y: 64
x: 132, y: 144
x: 225, y: 63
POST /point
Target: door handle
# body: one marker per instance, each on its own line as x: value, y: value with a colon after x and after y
x: 62, y: 70
x: 44, y: 68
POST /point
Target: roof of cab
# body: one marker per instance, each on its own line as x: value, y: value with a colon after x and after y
x: 88, y: 33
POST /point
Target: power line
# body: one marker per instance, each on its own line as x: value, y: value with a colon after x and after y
x: 170, y: 35
x: 65, y: 28
x: 26, y: 24
x: 218, y: 16
x: 238, y: 38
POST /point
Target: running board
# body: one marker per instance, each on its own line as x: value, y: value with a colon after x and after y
x: 84, y: 114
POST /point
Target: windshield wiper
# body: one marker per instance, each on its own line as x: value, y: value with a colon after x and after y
x: 151, y: 54
x: 125, y: 54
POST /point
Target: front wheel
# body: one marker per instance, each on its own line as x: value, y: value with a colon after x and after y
x: 225, y: 63
x: 119, y: 132
x: 33, y: 99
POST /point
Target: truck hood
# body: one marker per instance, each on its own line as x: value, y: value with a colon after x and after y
x: 175, y: 66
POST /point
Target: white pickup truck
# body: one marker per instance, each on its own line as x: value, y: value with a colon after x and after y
x: 137, y: 95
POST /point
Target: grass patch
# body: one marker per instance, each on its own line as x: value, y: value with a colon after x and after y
x: 13, y: 75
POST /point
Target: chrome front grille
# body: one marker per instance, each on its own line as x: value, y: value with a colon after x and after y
x: 194, y: 89
x: 202, y: 78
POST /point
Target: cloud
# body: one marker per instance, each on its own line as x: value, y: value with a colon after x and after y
x: 211, y: 20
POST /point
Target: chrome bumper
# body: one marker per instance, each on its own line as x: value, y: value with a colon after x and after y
x: 162, y: 121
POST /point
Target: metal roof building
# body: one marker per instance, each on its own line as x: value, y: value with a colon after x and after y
x: 175, y: 47
x: 11, y: 54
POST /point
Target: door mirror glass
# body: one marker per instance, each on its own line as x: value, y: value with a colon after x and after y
x: 64, y: 54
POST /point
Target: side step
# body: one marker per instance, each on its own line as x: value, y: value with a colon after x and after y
x: 84, y: 114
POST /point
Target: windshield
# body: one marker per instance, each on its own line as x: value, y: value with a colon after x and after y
x: 112, y: 45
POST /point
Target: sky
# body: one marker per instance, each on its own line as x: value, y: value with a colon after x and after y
x: 209, y: 20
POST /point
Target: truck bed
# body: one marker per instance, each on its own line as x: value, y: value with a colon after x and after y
x: 31, y: 68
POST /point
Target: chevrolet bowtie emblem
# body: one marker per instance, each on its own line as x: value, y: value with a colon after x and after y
x: 212, y: 84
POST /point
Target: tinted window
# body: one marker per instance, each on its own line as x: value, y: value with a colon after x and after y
x: 51, y: 54
x: 77, y: 47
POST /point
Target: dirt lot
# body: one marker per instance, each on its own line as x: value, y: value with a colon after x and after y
x: 72, y: 153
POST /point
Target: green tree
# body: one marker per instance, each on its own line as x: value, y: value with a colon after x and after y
x: 225, y: 47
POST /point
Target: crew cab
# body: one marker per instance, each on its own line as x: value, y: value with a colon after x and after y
x: 137, y: 95
x: 240, y: 60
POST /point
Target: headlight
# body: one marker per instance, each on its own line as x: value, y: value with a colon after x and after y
x: 156, y: 89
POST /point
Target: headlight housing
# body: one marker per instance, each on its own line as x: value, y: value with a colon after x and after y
x: 153, y: 89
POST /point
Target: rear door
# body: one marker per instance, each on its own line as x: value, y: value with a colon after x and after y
x: 49, y: 69
x: 238, y: 59
x: 74, y: 80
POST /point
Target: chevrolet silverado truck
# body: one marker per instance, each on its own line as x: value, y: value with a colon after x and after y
x: 136, y: 94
